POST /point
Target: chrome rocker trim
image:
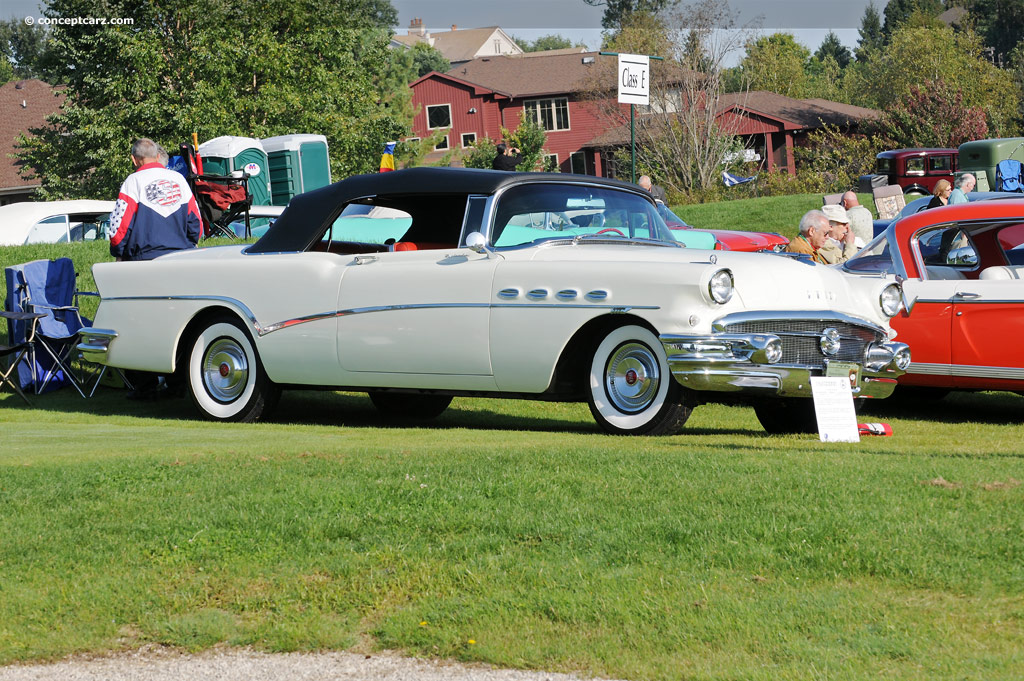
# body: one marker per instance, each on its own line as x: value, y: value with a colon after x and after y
x: 738, y: 362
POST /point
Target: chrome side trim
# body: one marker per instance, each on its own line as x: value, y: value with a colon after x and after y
x: 262, y: 330
x: 957, y: 299
x: 825, y: 316
x: 966, y: 371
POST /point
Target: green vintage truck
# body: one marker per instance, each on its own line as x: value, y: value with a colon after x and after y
x: 980, y: 158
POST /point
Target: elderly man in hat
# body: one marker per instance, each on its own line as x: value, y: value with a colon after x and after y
x: 842, y: 242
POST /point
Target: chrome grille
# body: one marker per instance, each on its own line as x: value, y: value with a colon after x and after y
x: 800, y: 339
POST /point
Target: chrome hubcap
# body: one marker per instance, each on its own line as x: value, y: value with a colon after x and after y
x: 632, y: 377
x: 225, y: 370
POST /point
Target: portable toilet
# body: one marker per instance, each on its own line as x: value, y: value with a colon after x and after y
x: 298, y: 163
x: 227, y: 155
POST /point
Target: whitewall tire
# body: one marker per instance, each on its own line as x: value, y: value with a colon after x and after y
x: 225, y: 377
x: 631, y: 390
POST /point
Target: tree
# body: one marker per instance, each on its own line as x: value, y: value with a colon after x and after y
x: 871, y: 36
x: 934, y: 115
x: 832, y: 47
x: 1001, y: 24
x: 427, y: 58
x: 617, y: 12
x: 777, y: 63
x: 25, y: 49
x: 899, y: 13
x: 916, y: 55
x: 678, y: 137
x: 529, y: 137
x: 546, y: 42
x: 216, y: 68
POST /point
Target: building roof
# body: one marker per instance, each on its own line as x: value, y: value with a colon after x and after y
x: 801, y: 113
x: 457, y: 45
x: 540, y: 73
x: 794, y: 113
x: 24, y: 104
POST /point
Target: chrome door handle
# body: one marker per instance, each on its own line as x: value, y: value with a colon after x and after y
x: 365, y: 259
x: 966, y: 294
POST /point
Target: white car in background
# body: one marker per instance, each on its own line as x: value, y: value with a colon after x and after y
x: 54, y: 222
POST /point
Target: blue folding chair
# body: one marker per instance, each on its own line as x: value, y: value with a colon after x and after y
x: 46, y: 287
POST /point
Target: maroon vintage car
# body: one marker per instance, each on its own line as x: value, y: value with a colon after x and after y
x: 729, y: 239
x: 916, y: 170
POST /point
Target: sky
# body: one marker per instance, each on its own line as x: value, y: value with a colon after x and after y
x: 808, y: 20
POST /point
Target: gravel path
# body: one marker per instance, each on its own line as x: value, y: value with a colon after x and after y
x: 232, y: 664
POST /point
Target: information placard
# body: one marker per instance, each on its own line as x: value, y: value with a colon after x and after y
x: 833, y: 407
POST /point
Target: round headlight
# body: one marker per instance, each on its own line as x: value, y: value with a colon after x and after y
x: 903, y: 358
x: 890, y: 300
x: 721, y: 286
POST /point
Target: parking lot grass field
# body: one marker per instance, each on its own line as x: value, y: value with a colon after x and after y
x: 513, y: 533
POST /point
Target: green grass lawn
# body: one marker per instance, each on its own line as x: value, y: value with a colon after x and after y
x: 779, y: 214
x: 514, y: 533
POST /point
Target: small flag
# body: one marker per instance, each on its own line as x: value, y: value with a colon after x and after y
x: 730, y: 180
x: 387, y: 159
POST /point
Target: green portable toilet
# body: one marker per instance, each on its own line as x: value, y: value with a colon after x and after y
x: 298, y: 163
x: 232, y: 155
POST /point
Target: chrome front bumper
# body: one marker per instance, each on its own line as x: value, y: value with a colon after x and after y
x: 739, y: 362
x: 95, y: 343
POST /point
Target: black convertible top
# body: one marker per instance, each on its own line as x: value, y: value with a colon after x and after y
x: 307, y: 216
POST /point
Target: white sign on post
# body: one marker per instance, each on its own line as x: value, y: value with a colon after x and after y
x: 634, y: 79
x: 833, y: 406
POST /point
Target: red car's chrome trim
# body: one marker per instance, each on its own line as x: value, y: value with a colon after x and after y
x: 925, y: 369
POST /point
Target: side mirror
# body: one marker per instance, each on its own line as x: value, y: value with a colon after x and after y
x: 477, y: 242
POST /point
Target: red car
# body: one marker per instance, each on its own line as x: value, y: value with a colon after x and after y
x: 916, y: 170
x: 963, y: 271
x: 729, y: 239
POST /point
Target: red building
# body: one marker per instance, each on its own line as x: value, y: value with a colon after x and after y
x: 475, y: 99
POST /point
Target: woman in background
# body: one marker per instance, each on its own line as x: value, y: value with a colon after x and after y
x: 940, y: 195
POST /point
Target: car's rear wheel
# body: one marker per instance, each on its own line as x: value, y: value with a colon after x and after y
x: 786, y: 415
x: 631, y: 389
x: 225, y: 377
x: 404, y: 406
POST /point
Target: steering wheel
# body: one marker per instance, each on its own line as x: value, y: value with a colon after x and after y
x: 612, y: 229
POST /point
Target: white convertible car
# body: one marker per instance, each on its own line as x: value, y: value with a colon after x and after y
x: 422, y: 284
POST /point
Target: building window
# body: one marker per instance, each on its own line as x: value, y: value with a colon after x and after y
x: 550, y: 114
x: 468, y: 138
x: 439, y: 116
x: 411, y: 140
x: 578, y: 163
x: 550, y: 162
x: 497, y: 46
x: 443, y: 144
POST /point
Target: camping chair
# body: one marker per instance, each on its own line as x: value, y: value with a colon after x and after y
x: 19, y: 350
x: 222, y: 199
x: 1008, y: 176
x: 48, y: 288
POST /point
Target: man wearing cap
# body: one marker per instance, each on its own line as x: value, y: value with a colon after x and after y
x: 861, y: 221
x: 814, y: 229
x: 841, y: 245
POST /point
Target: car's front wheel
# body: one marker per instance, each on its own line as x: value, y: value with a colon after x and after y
x: 406, y: 406
x: 225, y: 376
x: 786, y: 415
x: 631, y: 390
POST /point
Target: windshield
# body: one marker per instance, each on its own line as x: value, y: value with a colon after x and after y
x: 532, y: 213
x: 875, y: 258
